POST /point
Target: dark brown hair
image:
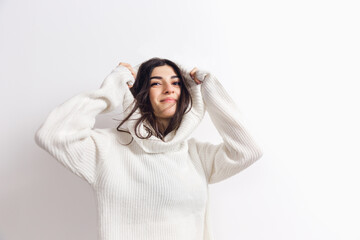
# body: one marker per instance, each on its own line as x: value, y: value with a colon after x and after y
x: 140, y: 91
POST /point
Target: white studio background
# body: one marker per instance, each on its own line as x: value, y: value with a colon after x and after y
x: 292, y: 67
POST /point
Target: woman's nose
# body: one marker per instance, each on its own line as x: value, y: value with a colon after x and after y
x: 169, y: 87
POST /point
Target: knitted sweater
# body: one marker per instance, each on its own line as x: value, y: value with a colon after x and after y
x: 150, y: 189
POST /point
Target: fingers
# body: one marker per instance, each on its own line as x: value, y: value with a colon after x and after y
x: 132, y: 71
x: 129, y: 67
x: 193, y: 71
x: 189, y: 75
x: 193, y: 75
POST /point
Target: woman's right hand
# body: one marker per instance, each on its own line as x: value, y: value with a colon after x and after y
x: 128, y: 66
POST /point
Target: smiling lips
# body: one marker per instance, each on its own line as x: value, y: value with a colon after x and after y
x: 168, y: 100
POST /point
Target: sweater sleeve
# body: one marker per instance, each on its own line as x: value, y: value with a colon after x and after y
x: 238, y: 149
x: 68, y: 133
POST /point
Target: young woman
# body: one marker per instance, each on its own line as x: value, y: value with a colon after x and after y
x: 149, y: 178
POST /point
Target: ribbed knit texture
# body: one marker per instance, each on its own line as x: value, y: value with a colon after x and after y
x: 150, y: 189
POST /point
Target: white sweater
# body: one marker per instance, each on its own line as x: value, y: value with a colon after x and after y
x: 150, y: 189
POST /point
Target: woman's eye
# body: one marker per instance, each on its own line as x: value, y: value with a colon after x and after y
x: 176, y: 83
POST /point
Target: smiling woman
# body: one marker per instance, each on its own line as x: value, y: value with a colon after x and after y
x: 156, y: 187
x: 161, y: 94
x: 164, y: 93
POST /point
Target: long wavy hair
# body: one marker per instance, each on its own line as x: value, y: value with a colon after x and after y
x: 140, y: 90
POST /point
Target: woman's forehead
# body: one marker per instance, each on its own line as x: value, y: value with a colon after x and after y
x: 163, y: 70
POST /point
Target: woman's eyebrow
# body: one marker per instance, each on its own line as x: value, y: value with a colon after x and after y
x: 157, y: 77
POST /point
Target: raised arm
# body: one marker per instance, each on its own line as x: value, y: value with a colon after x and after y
x: 68, y: 133
x: 238, y: 149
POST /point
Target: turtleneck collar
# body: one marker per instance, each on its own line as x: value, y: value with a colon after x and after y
x: 174, y: 140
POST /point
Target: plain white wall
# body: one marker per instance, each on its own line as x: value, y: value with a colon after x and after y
x: 292, y: 67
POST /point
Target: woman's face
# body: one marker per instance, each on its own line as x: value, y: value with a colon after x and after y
x: 164, y: 83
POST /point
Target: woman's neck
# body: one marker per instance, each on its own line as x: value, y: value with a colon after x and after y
x: 163, y: 123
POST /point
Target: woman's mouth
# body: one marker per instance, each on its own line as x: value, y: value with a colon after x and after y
x: 169, y: 100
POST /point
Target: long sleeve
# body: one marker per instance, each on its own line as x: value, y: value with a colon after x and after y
x: 238, y: 149
x: 68, y: 133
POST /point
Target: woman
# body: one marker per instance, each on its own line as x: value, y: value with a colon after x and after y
x: 155, y: 187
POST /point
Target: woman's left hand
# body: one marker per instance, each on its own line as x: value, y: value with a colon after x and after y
x: 193, y: 75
